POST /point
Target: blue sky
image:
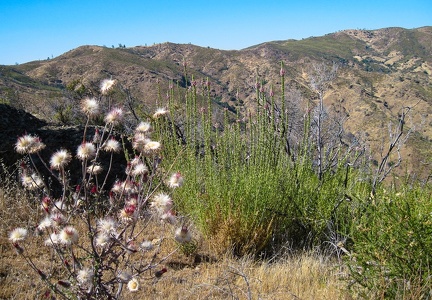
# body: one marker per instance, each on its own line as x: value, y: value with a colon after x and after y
x: 32, y: 30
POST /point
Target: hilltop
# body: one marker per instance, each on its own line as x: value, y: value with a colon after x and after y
x: 380, y: 71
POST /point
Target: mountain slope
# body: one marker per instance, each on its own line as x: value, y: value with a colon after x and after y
x: 380, y: 72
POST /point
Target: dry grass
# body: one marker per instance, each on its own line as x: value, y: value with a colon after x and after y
x: 204, y: 274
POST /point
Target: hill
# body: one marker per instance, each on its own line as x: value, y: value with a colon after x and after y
x: 379, y: 73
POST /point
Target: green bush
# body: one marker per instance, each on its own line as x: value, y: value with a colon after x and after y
x: 393, y: 244
x: 253, y: 188
x: 245, y: 189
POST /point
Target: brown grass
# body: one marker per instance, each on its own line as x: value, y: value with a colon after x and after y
x: 203, y: 274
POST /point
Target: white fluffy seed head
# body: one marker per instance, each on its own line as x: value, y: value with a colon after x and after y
x: 112, y: 145
x: 160, y: 112
x: 107, y: 226
x: 162, y: 203
x: 85, y: 276
x: 102, y: 240
x: 28, y: 144
x: 183, y: 235
x: 143, y: 127
x: 18, y: 234
x: 60, y: 159
x: 176, y: 180
x: 54, y: 239
x: 86, y: 151
x: 106, y: 85
x: 152, y: 147
x: 139, y: 169
x: 90, y: 106
x: 94, y: 169
x: 68, y: 236
x: 114, y: 117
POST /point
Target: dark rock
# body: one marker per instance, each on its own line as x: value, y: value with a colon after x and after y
x: 15, y: 123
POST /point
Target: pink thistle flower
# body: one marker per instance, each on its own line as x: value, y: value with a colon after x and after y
x: 128, y: 214
x: 124, y: 186
x: 130, y: 209
x: 271, y: 92
x: 107, y: 226
x: 136, y: 160
x: 46, y: 203
x: 38, y: 146
x: 117, y: 187
x: 86, y: 151
x: 146, y: 246
x: 130, y: 187
x: 94, y: 189
x: 133, y: 200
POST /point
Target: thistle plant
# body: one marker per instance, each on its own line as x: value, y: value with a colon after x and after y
x: 99, y: 235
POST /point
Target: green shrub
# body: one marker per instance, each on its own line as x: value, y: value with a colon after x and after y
x: 245, y: 189
x: 393, y: 244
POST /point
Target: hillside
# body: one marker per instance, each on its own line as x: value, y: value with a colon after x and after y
x: 380, y: 71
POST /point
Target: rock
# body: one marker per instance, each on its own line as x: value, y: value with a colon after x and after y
x: 15, y: 123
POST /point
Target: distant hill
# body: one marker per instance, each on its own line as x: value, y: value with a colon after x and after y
x: 380, y: 71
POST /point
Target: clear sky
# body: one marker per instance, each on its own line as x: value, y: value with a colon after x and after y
x: 38, y: 29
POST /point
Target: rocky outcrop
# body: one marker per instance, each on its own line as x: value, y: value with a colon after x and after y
x: 15, y: 123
